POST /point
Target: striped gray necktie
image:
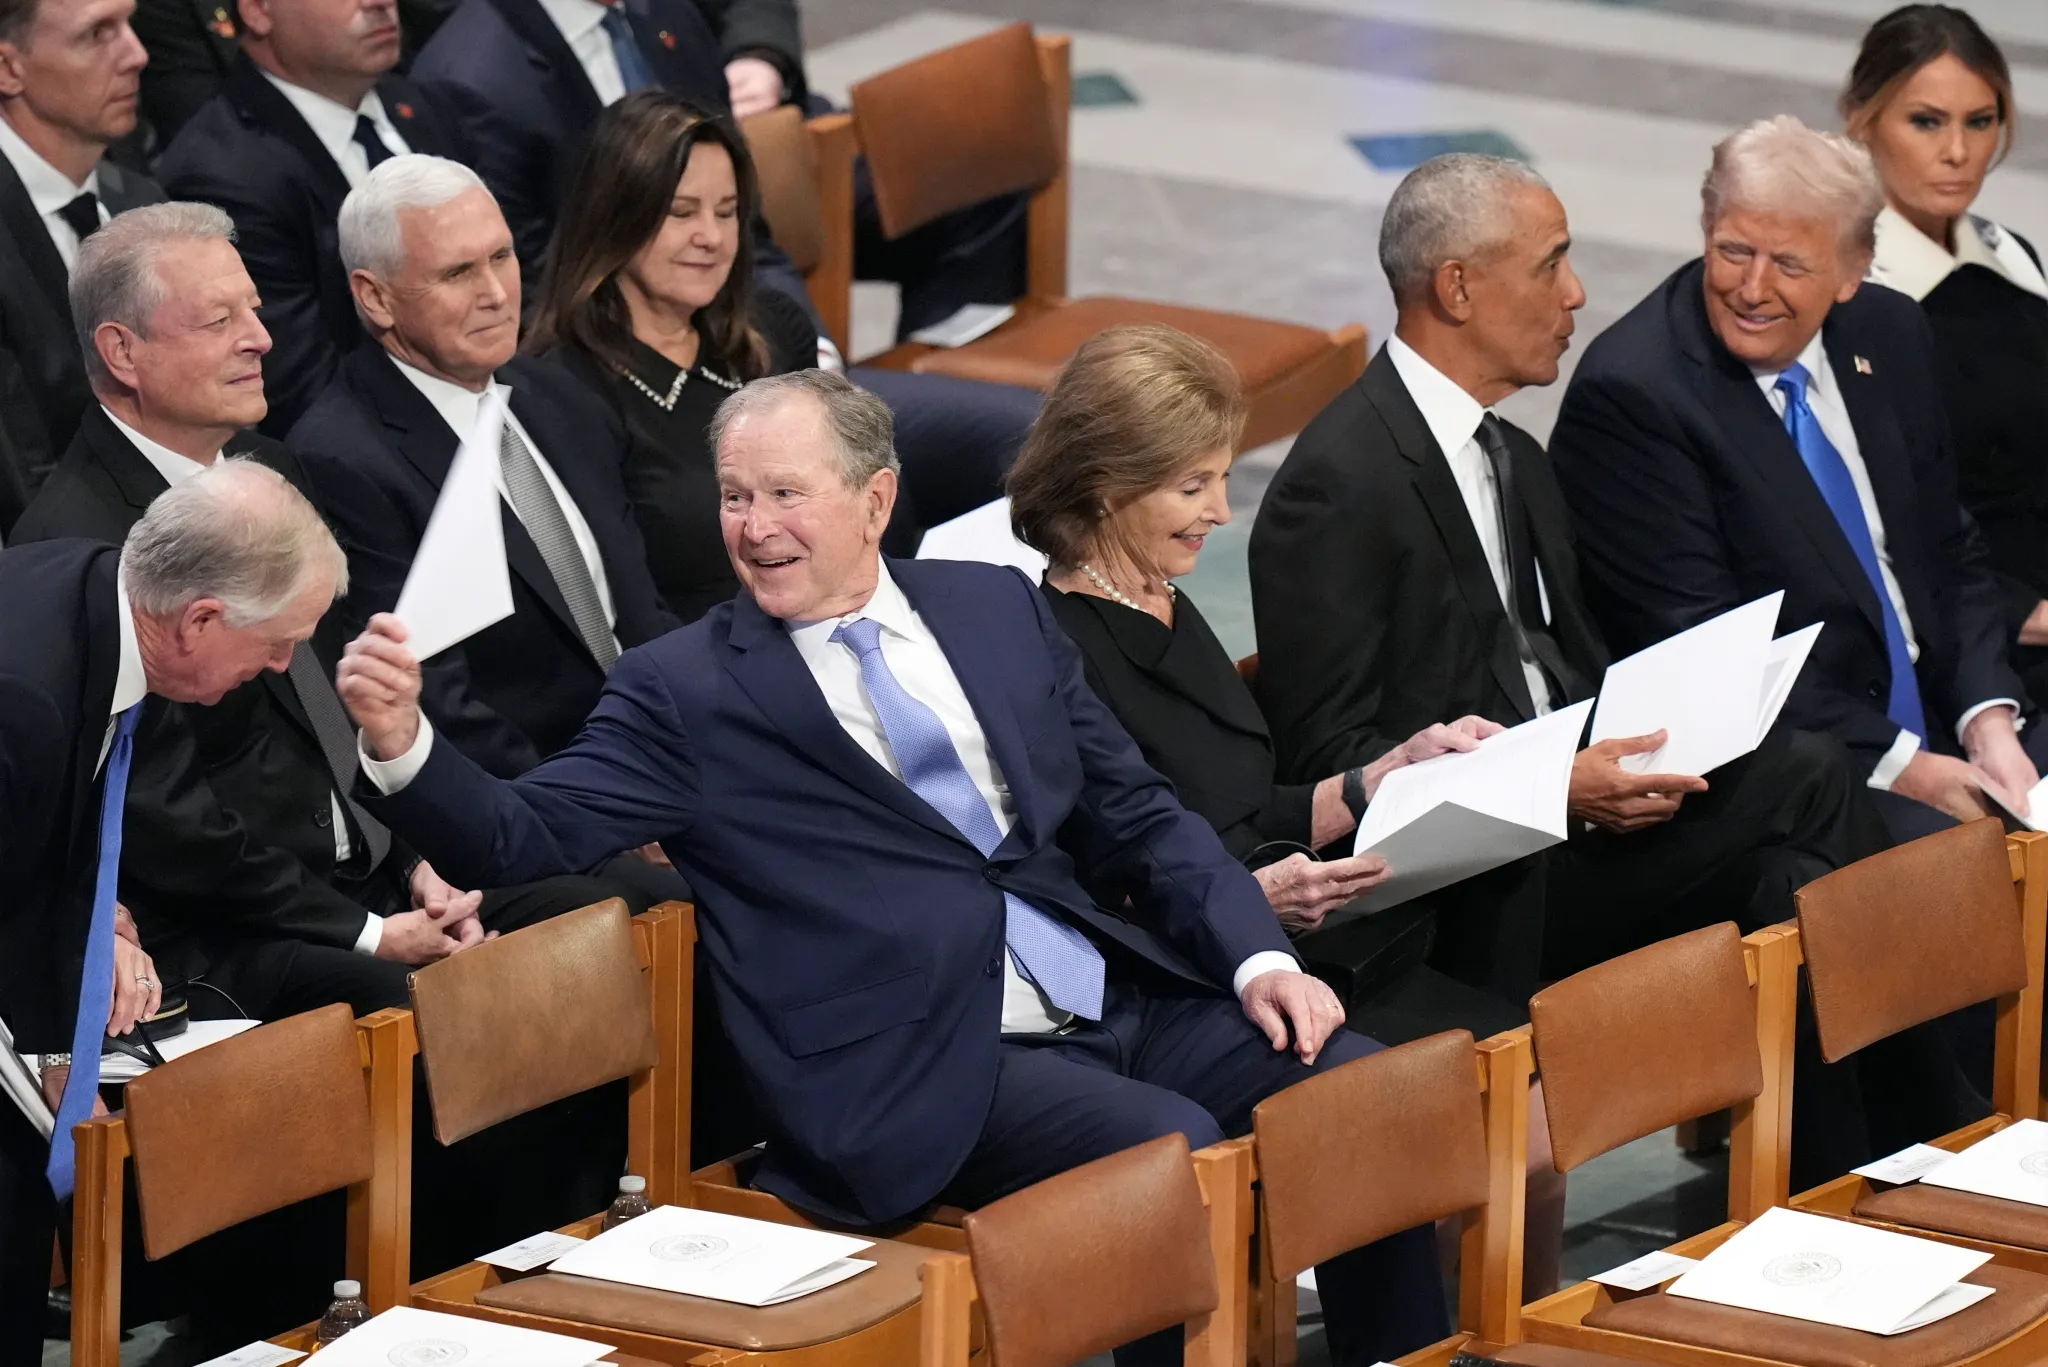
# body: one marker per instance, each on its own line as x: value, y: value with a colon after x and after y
x: 541, y: 513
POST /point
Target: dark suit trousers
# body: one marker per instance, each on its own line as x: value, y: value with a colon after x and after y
x: 28, y: 1222
x: 1159, y: 1065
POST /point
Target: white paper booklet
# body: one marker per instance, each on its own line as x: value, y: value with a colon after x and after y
x: 2036, y: 818
x: 1715, y: 688
x: 722, y: 1257
x: 458, y: 583
x: 983, y: 535
x: 404, y: 1337
x: 1457, y: 815
x: 2012, y: 1165
x: 1808, y: 1267
x: 968, y: 323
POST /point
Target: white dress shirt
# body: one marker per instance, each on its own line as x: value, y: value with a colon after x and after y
x: 334, y: 124
x: 50, y: 190
x: 582, y: 26
x: 1832, y: 413
x: 130, y: 683
x: 921, y: 667
x: 1453, y: 418
x: 458, y: 408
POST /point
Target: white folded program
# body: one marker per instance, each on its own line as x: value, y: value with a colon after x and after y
x: 1715, y: 689
x: 984, y: 535
x: 1449, y: 818
x: 2011, y: 1165
x: 721, y: 1257
x: 1810, y: 1267
x: 405, y: 1337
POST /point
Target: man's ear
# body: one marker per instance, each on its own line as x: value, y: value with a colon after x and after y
x: 1854, y: 269
x: 373, y: 300
x: 1448, y: 286
x: 256, y: 17
x: 116, y: 344
x: 13, y: 78
x: 200, y: 616
x: 881, y: 495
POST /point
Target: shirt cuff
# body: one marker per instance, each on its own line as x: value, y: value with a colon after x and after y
x: 1265, y: 961
x: 1895, y: 761
x: 372, y: 936
x: 388, y: 776
x: 1963, y: 723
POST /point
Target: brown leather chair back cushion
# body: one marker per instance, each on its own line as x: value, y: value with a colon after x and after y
x: 534, y: 1016
x: 956, y: 127
x: 786, y: 166
x: 1911, y: 934
x: 1411, y: 1116
x: 247, y: 1126
x: 1097, y: 1256
x: 1646, y: 1040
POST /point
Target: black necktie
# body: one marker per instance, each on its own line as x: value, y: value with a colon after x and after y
x: 82, y: 215
x: 372, y: 145
x: 337, y: 742
x: 1524, y: 600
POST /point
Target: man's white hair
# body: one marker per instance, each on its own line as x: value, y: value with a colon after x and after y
x: 235, y: 531
x: 1450, y: 208
x: 368, y: 227
x: 1781, y: 166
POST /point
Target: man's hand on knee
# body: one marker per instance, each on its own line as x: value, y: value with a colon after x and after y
x: 1282, y: 999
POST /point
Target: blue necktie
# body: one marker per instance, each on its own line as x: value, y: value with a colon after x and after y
x: 96, y: 988
x: 633, y: 68
x: 1057, y: 957
x: 1838, y: 487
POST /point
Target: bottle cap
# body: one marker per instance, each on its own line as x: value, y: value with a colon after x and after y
x: 347, y: 1290
x: 632, y: 1186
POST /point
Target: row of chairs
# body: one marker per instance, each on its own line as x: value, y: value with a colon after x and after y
x: 985, y: 118
x: 1156, y: 1236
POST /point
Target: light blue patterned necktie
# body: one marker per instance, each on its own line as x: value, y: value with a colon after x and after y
x: 1059, y: 958
x: 1838, y: 487
x: 633, y: 69
x: 96, y: 986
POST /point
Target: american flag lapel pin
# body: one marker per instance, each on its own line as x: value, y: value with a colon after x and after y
x: 1862, y: 365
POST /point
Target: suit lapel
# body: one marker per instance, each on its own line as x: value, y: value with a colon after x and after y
x: 1730, y: 392
x: 1886, y: 463
x: 18, y: 214
x: 549, y: 52
x: 102, y: 669
x: 1439, y: 493
x: 260, y: 105
x: 135, y: 481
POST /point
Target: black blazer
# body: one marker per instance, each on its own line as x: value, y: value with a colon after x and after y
x: 508, y: 74
x: 58, y: 659
x: 1689, y: 498
x: 1177, y: 691
x: 249, y: 151
x: 1377, y: 614
x: 191, y: 47
x: 227, y: 834
x: 375, y: 453
x: 43, y: 390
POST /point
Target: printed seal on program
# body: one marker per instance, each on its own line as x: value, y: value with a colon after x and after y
x: 1802, y: 1269
x: 2035, y: 1164
x: 426, y: 1353
x: 689, y: 1248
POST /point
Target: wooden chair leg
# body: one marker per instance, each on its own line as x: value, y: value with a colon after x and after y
x: 96, y: 1243
x: 947, y: 1327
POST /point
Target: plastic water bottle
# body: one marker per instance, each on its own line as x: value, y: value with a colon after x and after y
x: 632, y: 1201
x: 347, y: 1312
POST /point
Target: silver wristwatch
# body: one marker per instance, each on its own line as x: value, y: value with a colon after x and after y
x: 50, y: 1061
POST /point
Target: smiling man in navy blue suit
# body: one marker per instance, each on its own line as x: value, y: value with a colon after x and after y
x: 862, y: 767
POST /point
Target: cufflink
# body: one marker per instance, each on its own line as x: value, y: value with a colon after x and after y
x: 1862, y: 366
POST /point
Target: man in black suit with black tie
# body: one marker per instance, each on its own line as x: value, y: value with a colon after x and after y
x: 65, y: 94
x: 220, y: 580
x: 1766, y: 421
x: 307, y: 110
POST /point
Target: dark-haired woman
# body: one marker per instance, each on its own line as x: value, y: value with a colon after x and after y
x: 1932, y: 98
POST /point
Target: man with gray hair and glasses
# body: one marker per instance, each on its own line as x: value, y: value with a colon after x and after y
x: 219, y: 581
x: 1767, y: 420
x: 1413, y: 560
x: 880, y: 776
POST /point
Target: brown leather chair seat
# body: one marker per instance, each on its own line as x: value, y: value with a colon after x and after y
x: 891, y: 1287
x: 1547, y: 1355
x: 1030, y: 350
x: 2021, y: 1300
x: 1959, y: 1212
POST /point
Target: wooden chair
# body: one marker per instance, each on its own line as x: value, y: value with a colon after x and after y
x: 1907, y: 936
x: 255, y: 1123
x: 990, y: 117
x: 1113, y: 1250
x: 805, y: 170
x: 1670, y: 1032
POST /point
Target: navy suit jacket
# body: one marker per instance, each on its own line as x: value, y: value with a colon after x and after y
x: 1690, y: 498
x: 374, y: 453
x: 855, y: 937
x: 250, y: 152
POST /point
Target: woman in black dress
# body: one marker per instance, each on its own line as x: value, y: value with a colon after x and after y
x: 1121, y: 479
x: 1931, y: 97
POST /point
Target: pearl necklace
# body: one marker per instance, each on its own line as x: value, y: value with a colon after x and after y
x: 667, y: 402
x: 1115, y: 594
